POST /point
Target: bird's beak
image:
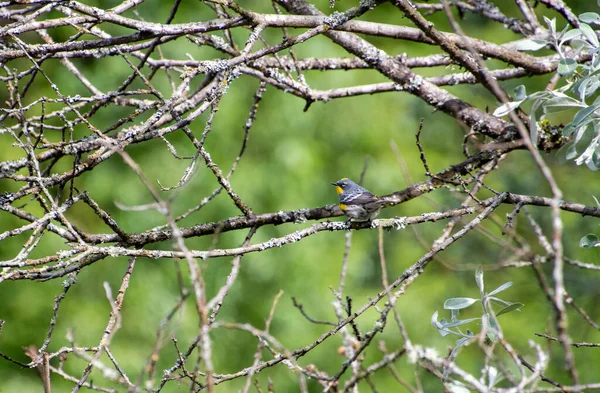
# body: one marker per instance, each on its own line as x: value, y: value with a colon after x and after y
x: 334, y: 183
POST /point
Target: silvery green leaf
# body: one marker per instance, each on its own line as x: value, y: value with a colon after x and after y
x: 580, y: 43
x: 584, y: 113
x: 520, y: 92
x: 458, y: 303
x: 590, y: 17
x: 558, y: 104
x: 537, y: 109
x: 569, y: 129
x: 463, y: 341
x: 512, y: 307
x: 596, y: 60
x: 493, y: 329
x: 592, y: 88
x: 567, y: 152
x: 587, y: 155
x: 569, y: 35
x: 434, y: 321
x: 585, y: 86
x: 501, y: 288
x: 589, y: 33
x: 551, y: 24
x: 461, y: 322
x: 592, y: 163
x: 505, y: 109
x: 582, y: 136
x: 531, y: 45
x: 542, y: 94
x: 567, y: 67
x: 533, y: 129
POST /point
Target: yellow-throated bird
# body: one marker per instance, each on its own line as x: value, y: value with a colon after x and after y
x: 358, y: 203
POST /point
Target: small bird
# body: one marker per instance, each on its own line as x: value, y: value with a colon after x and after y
x: 358, y: 203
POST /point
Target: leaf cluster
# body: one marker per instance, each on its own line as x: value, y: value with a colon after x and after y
x: 487, y: 321
x: 579, y: 62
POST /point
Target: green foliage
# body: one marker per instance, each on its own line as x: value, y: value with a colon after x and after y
x: 574, y: 47
x: 487, y: 321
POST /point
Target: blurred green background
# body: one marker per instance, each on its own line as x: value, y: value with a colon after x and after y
x: 291, y: 158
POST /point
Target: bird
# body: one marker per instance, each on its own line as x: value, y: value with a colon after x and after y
x: 358, y: 203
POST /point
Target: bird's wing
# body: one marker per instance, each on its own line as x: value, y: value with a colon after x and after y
x: 359, y: 198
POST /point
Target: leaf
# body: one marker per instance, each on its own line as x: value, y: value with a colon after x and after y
x: 551, y: 24
x: 439, y: 325
x: 567, y: 67
x: 569, y: 35
x: 587, y: 156
x: 592, y: 89
x: 434, y: 321
x: 583, y: 114
x: 460, y: 322
x: 505, y: 109
x: 500, y: 301
x: 591, y: 163
x: 492, y: 329
x: 589, y: 33
x: 531, y: 45
x: 579, y: 43
x: 479, y: 278
x: 520, y: 92
x: 589, y: 240
x: 571, y: 153
x: 585, y: 84
x: 458, y: 303
x: 463, y: 341
x: 512, y: 307
x: 558, y: 104
x: 569, y: 129
x: 501, y: 288
x: 582, y: 136
x: 590, y: 17
x: 566, y: 153
x: 533, y: 130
